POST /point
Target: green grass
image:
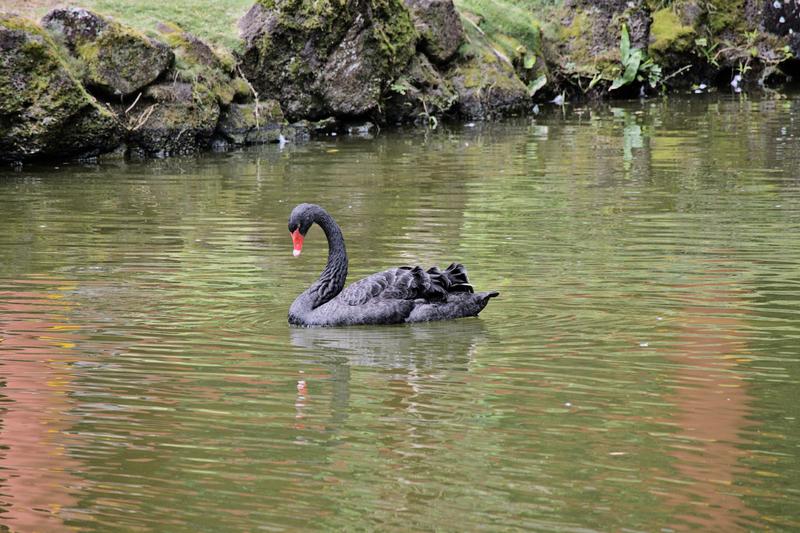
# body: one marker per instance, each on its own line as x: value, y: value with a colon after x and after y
x: 211, y: 20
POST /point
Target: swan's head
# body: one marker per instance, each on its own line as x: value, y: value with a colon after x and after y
x: 300, y: 222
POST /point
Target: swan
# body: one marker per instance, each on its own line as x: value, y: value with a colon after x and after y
x: 394, y: 296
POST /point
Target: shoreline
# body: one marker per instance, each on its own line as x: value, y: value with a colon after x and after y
x: 71, y: 90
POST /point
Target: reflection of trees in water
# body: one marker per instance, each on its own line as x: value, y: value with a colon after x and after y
x: 36, y: 483
x: 713, y: 405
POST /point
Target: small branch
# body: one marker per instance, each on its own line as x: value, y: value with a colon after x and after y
x: 144, y: 117
x: 682, y: 69
x: 179, y: 134
x: 133, y: 104
x: 253, y: 90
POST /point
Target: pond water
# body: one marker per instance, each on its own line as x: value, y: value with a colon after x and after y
x: 640, y: 369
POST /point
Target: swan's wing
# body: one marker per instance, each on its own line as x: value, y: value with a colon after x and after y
x: 404, y: 283
x: 408, y: 283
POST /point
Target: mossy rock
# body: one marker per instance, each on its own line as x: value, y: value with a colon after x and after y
x: 197, y: 62
x: 485, y: 82
x: 439, y: 26
x: 173, y: 118
x: 419, y: 93
x: 44, y: 110
x: 587, y: 42
x: 668, y: 34
x: 114, y: 58
x: 322, y: 57
x: 717, y: 39
x: 254, y: 123
x: 673, y: 47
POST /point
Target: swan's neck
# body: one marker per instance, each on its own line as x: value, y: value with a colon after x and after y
x: 331, y: 281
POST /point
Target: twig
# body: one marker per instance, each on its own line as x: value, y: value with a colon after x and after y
x: 253, y: 90
x: 683, y: 68
x: 133, y: 104
x: 180, y: 133
x: 144, y: 117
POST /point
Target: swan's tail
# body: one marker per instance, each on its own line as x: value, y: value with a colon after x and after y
x: 452, y: 279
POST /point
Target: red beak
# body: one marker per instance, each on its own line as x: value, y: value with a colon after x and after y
x: 297, y: 239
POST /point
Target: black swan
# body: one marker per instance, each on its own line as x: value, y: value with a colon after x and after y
x: 404, y: 294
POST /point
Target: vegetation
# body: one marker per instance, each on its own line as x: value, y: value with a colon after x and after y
x: 636, y: 65
x: 209, y: 20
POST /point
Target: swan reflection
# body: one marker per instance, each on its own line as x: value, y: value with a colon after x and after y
x: 409, y: 360
x: 430, y: 345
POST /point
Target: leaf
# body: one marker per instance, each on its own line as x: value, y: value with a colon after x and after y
x: 537, y: 84
x: 400, y: 86
x: 702, y: 41
x: 597, y: 77
x: 631, y: 68
x: 529, y: 61
x: 625, y: 45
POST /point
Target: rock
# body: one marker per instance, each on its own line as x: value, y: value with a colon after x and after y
x: 198, y: 63
x: 116, y: 59
x: 363, y: 130
x: 251, y: 123
x: 439, y: 27
x: 44, y: 110
x: 318, y: 127
x: 320, y: 58
x: 420, y: 92
x: 778, y: 18
x: 588, y: 42
x: 349, y: 82
x: 485, y: 83
x: 721, y: 41
x: 673, y: 46
x: 172, y: 119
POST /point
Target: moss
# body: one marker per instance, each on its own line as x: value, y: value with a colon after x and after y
x: 241, y: 90
x: 479, y: 68
x: 44, y: 108
x: 578, y: 57
x: 111, y: 57
x: 198, y: 63
x: 512, y: 19
x: 726, y: 15
x: 513, y: 29
x: 46, y: 62
x: 669, y: 34
x: 394, y: 32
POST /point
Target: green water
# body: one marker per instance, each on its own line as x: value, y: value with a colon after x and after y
x: 640, y: 370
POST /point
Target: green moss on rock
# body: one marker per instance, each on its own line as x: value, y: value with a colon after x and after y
x: 114, y: 58
x: 197, y: 62
x: 44, y: 110
x: 669, y: 34
x: 253, y: 123
x: 485, y: 81
x: 326, y: 57
x: 173, y: 118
